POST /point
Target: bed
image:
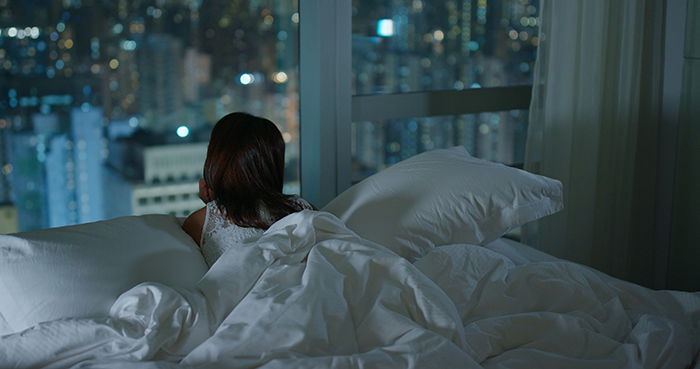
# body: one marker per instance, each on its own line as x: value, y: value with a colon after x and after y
x: 407, y: 269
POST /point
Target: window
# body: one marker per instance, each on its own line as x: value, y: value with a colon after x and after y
x: 431, y: 60
x: 100, y: 101
x: 408, y: 61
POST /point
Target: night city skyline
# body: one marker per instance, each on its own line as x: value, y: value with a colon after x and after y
x: 106, y: 106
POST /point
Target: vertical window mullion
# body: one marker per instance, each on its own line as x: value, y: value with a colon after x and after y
x: 325, y: 92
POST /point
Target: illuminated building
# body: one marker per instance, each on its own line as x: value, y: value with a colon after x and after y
x: 161, y: 84
x: 8, y: 219
x: 167, y: 182
x: 89, y: 153
x: 62, y: 207
x: 26, y: 180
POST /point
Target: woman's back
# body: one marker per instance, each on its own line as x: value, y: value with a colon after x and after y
x: 242, y: 184
x: 219, y: 233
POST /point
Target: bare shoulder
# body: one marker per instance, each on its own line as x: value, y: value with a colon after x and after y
x: 193, y: 224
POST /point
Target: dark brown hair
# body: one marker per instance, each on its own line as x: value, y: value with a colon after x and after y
x: 244, y: 170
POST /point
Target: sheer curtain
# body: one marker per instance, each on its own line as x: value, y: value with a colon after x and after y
x: 591, y: 126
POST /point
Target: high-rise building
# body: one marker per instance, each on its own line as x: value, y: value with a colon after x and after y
x: 178, y: 199
x: 45, y: 124
x: 61, y: 203
x: 89, y: 153
x: 196, y: 73
x: 5, y: 164
x: 173, y: 163
x: 160, y: 90
x: 8, y: 219
x: 168, y: 182
x: 26, y: 179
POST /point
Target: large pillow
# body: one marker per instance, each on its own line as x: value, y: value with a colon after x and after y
x: 4, y: 327
x: 442, y: 197
x: 79, y: 271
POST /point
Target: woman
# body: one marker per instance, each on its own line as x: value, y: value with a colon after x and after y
x: 242, y: 185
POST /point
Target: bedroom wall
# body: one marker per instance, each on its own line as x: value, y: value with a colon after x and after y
x: 684, y: 271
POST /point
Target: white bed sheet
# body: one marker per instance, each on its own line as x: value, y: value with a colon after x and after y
x: 521, y: 308
x: 312, y: 294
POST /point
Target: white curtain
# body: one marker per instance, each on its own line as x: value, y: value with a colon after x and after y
x: 590, y: 90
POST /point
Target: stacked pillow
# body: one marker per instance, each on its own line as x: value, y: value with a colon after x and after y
x: 79, y: 271
x: 442, y: 197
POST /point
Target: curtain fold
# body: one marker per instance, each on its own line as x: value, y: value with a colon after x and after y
x: 585, y: 131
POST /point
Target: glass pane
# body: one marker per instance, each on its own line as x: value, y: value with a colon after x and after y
x: 498, y: 136
x: 106, y: 107
x: 420, y: 45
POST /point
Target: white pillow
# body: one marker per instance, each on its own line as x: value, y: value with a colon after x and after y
x: 4, y: 327
x: 79, y: 271
x: 442, y: 197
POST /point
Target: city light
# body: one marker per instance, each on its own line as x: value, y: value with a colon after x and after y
x: 128, y: 45
x: 438, y: 35
x: 182, y: 131
x: 280, y: 77
x: 484, y: 129
x: 385, y: 28
x: 246, y: 78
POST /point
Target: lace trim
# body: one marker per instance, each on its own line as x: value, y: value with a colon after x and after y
x: 219, y: 233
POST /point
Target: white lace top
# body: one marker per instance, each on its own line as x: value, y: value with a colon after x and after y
x: 219, y: 233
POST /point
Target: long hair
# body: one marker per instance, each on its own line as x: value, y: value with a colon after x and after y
x: 244, y: 170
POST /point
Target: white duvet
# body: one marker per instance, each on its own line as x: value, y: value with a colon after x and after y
x: 312, y: 294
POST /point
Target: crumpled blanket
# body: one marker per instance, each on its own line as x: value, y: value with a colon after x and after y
x: 312, y: 294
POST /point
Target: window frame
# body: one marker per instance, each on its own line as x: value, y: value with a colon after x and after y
x: 328, y: 108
